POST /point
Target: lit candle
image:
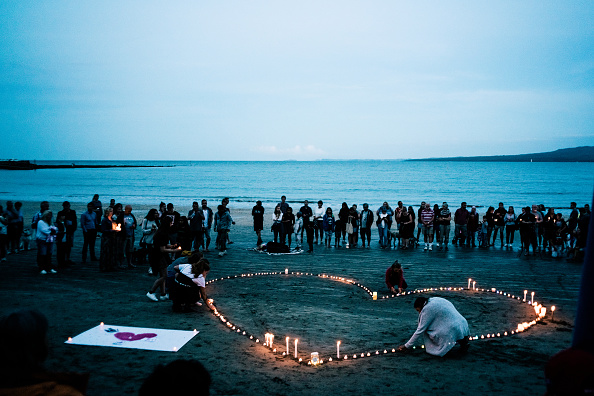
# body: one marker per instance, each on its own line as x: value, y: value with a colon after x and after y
x: 286, y: 271
x: 552, y: 312
x: 271, y: 340
x: 532, y: 298
x: 287, y: 339
x: 337, y: 349
x: 469, y: 280
x: 473, y: 285
x: 296, y: 341
x: 525, y: 292
x: 375, y: 295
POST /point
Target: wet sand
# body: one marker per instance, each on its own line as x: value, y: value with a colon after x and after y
x: 315, y: 310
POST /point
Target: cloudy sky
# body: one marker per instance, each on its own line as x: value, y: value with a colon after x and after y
x: 275, y: 80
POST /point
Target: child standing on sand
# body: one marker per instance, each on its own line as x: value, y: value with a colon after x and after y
x: 329, y: 225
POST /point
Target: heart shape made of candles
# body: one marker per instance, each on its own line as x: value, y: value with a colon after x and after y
x: 282, y: 348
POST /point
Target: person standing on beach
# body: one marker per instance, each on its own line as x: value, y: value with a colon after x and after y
x: 427, y: 217
x: 420, y: 223
x: 283, y: 204
x: 407, y: 226
x: 196, y: 219
x: 43, y: 206
x: 445, y: 218
x: 108, y: 257
x: 510, y: 226
x: 328, y: 223
x: 98, y: 209
x: 499, y: 221
x: 537, y: 224
x: 382, y: 227
x: 70, y: 221
x: 88, y: 224
x: 45, y: 238
x: 3, y: 236
x: 461, y: 225
x: 258, y: 215
x: 12, y: 216
x: 129, y: 225
x: 222, y: 224
x: 352, y: 227
x: 288, y: 223
x: 206, y: 224
x: 473, y: 226
x: 572, y: 223
x: 343, y: 215
x: 318, y: 217
x: 366, y: 221
x: 225, y: 203
x: 308, y: 224
x: 277, y: 218
x: 174, y: 216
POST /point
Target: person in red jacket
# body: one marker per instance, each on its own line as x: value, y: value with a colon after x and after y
x: 395, y: 278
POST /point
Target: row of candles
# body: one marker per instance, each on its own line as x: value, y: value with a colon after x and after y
x: 269, y: 337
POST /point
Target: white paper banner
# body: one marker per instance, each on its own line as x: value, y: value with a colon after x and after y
x: 134, y: 337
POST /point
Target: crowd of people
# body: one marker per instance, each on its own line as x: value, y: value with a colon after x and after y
x: 165, y: 232
x: 539, y: 228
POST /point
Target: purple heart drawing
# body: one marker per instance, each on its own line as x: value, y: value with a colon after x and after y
x: 125, y: 336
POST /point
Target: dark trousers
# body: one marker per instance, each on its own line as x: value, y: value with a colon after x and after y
x: 309, y: 232
x: 44, y: 254
x: 510, y: 230
x: 366, y: 232
x: 89, y: 244
x: 198, y: 238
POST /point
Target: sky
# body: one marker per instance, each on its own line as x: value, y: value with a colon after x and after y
x: 307, y: 80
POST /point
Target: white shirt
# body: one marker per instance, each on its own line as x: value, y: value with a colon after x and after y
x: 186, y: 269
x: 318, y: 212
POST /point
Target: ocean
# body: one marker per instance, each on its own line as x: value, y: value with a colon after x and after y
x: 479, y: 183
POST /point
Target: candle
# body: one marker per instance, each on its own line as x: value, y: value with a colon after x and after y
x: 287, y: 339
x: 286, y: 271
x: 271, y: 341
x: 375, y: 295
x: 532, y: 298
x: 525, y: 292
x: 552, y: 312
x: 473, y: 285
x: 469, y: 280
x: 296, y: 341
x: 337, y: 349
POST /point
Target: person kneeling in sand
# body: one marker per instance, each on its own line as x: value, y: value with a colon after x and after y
x: 190, y: 286
x: 440, y: 325
x: 395, y: 278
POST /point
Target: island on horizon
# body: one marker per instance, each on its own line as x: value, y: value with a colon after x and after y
x: 574, y: 154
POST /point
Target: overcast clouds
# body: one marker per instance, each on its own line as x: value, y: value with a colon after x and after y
x: 259, y: 80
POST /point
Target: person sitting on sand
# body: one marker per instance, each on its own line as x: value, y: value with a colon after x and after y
x: 440, y: 325
x: 190, y: 286
x: 395, y: 278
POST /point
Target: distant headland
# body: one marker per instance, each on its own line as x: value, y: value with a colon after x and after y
x: 575, y: 154
x: 28, y: 165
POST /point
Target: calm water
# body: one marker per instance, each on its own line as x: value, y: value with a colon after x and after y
x: 478, y: 183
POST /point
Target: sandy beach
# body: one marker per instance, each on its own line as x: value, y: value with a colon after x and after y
x: 315, y: 310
